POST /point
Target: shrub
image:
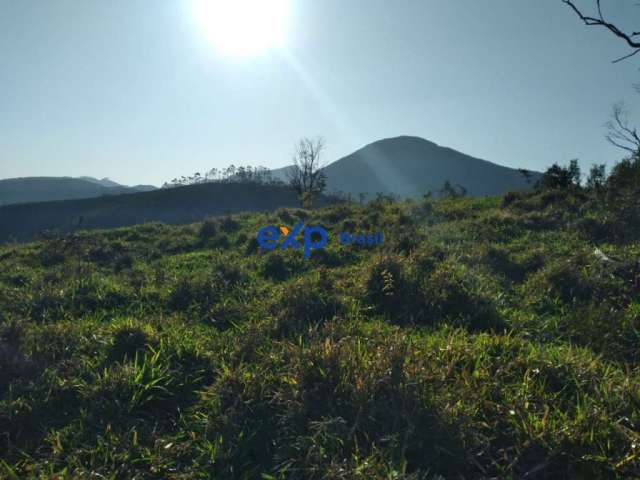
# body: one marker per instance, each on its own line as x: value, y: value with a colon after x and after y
x: 13, y: 363
x: 454, y: 294
x: 386, y: 286
x: 193, y: 294
x: 510, y: 197
x: 128, y: 340
x: 406, y: 243
x: 623, y: 199
x: 105, y: 253
x: 305, y: 304
x: 52, y: 253
x: 242, y: 239
x: 208, y: 229
x: 252, y: 246
x: 577, y: 280
x: 222, y: 242
x: 228, y: 274
x: 285, y: 215
x: 229, y: 224
x: 500, y: 261
x: 279, y: 265
x: 124, y: 262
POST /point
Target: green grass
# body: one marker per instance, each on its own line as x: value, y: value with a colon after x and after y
x: 480, y: 341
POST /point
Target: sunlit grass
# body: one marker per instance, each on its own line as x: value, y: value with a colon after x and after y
x: 479, y: 341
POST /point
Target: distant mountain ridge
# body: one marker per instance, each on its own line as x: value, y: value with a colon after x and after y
x: 43, y: 189
x: 409, y: 166
x: 107, y: 182
x: 402, y: 166
x: 183, y: 204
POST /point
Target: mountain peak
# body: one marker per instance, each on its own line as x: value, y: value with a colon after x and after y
x: 402, y: 139
x: 410, y: 166
x: 105, y: 182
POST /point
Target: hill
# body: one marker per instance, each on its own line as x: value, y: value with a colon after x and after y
x: 175, y: 205
x: 409, y: 167
x: 43, y: 189
x: 107, y: 182
x: 483, y: 339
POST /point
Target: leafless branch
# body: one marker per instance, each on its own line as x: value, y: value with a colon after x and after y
x: 601, y: 22
x: 306, y: 175
x: 626, y: 56
x: 620, y: 133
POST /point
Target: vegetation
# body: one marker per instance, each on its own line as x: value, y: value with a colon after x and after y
x: 230, y: 174
x: 484, y: 339
x: 306, y: 176
x: 182, y: 205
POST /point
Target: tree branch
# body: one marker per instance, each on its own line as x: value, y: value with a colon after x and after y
x: 601, y: 22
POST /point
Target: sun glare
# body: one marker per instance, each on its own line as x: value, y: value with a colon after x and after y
x: 242, y: 27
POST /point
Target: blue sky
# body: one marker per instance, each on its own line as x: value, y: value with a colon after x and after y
x: 132, y: 89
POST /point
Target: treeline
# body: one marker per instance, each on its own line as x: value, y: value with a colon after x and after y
x: 609, y: 204
x: 231, y: 174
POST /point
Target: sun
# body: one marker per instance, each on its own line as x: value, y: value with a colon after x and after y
x: 241, y: 28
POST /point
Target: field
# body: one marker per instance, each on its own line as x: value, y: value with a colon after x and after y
x: 484, y: 339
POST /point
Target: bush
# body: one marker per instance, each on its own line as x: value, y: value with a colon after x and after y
x: 511, y: 197
x: 579, y: 279
x: 53, y: 253
x: 386, y: 286
x: 252, y: 246
x: 285, y: 215
x: 623, y: 199
x: 514, y: 268
x: 229, y: 224
x: 208, y: 229
x: 222, y: 242
x: 193, y: 294
x: 128, y: 340
x: 305, y: 304
x: 280, y: 264
x: 456, y: 295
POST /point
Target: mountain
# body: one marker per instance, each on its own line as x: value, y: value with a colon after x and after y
x: 411, y: 166
x: 172, y: 205
x: 105, y: 182
x: 42, y: 189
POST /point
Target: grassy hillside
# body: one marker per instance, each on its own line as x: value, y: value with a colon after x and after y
x: 484, y: 339
x: 175, y: 205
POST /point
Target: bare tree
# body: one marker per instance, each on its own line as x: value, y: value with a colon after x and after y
x: 600, y: 21
x: 621, y: 134
x: 306, y: 176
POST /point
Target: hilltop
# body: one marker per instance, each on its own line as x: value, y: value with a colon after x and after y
x: 43, y: 189
x: 409, y: 167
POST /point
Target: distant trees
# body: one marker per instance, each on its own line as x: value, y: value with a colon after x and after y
x: 560, y: 177
x: 230, y: 174
x: 306, y: 176
x: 597, y: 177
